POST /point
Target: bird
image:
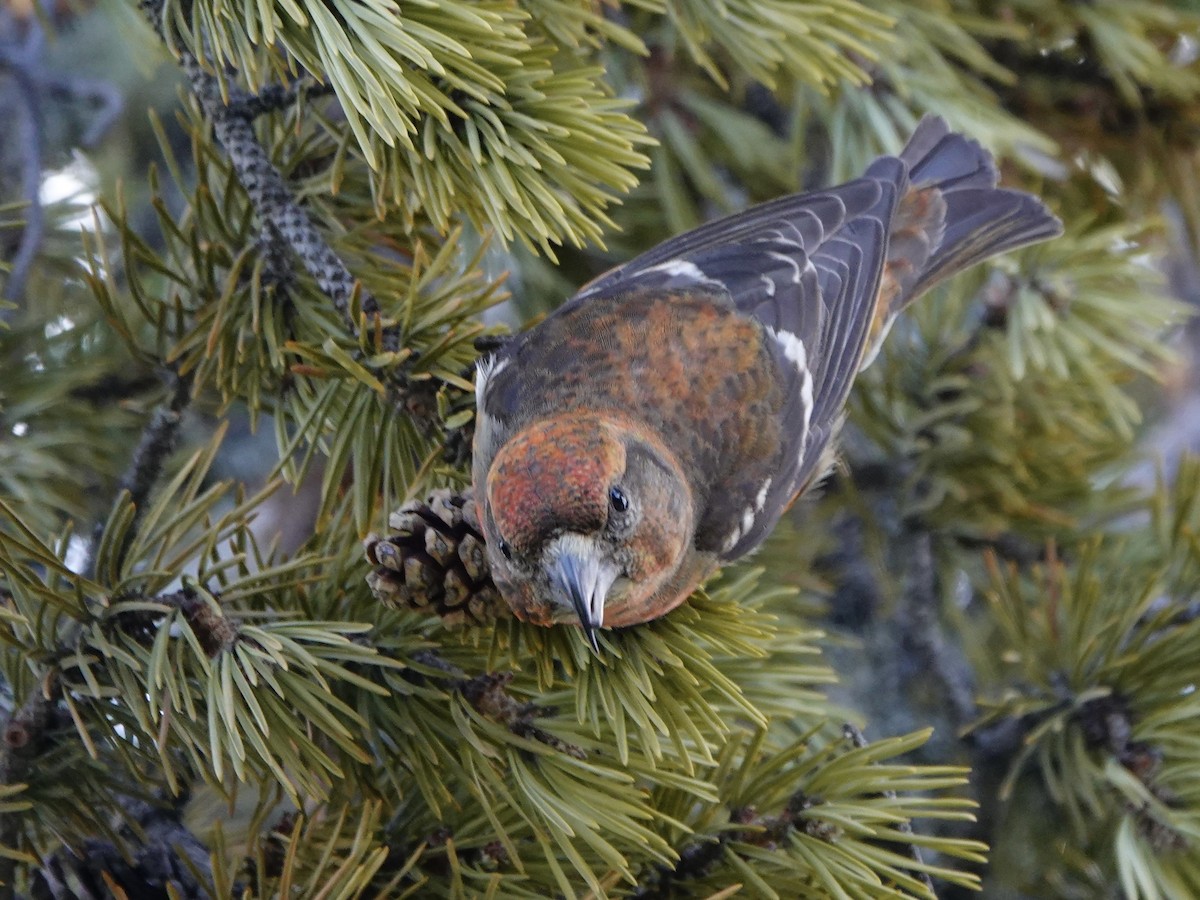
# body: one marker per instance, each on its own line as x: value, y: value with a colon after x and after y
x: 657, y: 425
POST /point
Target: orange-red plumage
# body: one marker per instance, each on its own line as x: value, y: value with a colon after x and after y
x: 556, y: 476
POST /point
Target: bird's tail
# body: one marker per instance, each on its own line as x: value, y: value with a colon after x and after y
x: 953, y: 216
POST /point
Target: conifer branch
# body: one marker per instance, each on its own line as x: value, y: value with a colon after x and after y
x: 988, y: 430
x: 215, y: 632
x: 264, y: 185
x: 858, y: 740
x: 157, y: 857
x: 488, y: 695
x: 160, y: 835
x: 767, y: 830
x: 27, y: 725
x: 695, y: 860
x: 271, y: 197
x: 21, y: 60
x: 275, y: 97
x: 157, y: 441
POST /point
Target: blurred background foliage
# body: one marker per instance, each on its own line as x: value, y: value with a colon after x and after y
x: 246, y: 253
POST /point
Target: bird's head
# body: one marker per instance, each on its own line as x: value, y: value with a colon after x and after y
x: 581, y: 514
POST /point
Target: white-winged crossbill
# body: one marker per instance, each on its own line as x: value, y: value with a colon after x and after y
x: 659, y: 424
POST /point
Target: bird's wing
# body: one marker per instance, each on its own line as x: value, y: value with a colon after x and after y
x: 808, y: 268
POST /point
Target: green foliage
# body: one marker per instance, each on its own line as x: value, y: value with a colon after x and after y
x: 1009, y: 400
x: 176, y: 682
x: 1099, y: 655
x: 1134, y: 43
x: 290, y: 854
x: 61, y: 435
x: 837, y: 818
x: 188, y: 684
x: 618, y: 763
x: 369, y: 752
x: 203, y: 296
x: 815, y: 44
x: 56, y: 448
x: 455, y: 108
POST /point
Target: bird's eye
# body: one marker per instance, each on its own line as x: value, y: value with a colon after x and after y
x: 617, y: 498
x: 505, y: 550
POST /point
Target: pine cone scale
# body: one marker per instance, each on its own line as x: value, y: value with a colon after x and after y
x: 434, y: 560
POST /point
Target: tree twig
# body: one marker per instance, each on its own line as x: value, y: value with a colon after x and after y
x: 20, y: 59
x: 271, y: 198
x: 265, y: 186
x: 279, y: 96
x: 156, y: 443
x: 158, y: 857
x: 26, y: 725
x: 488, y: 695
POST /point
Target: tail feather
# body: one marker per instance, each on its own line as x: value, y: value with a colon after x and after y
x: 954, y: 206
x: 937, y: 155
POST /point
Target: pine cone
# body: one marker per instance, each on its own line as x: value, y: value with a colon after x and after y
x: 434, y: 560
